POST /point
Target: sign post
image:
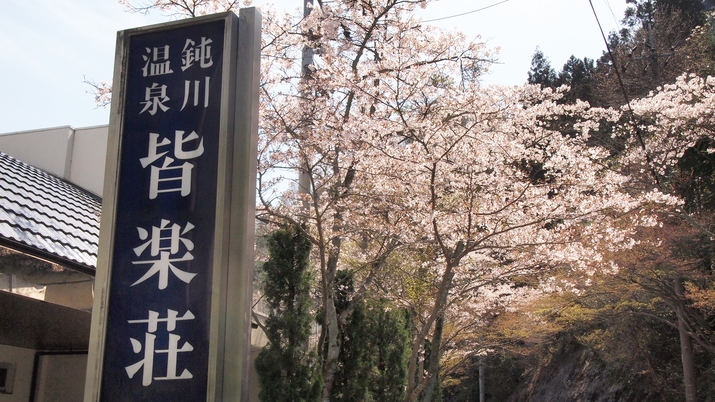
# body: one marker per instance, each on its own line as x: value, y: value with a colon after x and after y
x: 171, y: 317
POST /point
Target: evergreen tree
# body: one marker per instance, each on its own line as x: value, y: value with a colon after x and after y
x: 286, y: 371
x: 374, y: 351
x: 355, y: 361
x: 541, y: 71
x: 390, y: 351
x: 577, y: 74
x: 643, y: 11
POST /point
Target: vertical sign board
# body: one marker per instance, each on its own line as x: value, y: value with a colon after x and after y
x: 160, y: 314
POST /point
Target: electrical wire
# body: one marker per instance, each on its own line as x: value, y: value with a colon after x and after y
x: 612, y: 14
x: 625, y: 96
x: 468, y: 12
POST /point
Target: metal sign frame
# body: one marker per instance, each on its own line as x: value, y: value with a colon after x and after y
x: 163, y: 254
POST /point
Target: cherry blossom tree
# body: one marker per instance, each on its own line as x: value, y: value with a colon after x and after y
x: 670, y: 121
x: 368, y: 56
x: 492, y: 191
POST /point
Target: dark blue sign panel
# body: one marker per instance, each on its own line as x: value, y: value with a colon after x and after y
x: 157, y: 339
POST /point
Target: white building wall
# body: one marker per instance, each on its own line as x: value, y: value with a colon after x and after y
x: 48, y: 149
x: 88, y: 158
x: 75, y: 155
x: 60, y: 378
x: 24, y: 360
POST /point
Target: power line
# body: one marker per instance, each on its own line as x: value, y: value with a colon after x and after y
x: 612, y: 14
x: 468, y: 12
x: 628, y: 101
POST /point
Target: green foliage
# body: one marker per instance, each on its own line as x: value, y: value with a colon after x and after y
x: 286, y: 371
x: 351, y: 379
x: 578, y: 75
x: 391, y: 344
x: 541, y: 71
x: 644, y: 11
x: 375, y: 348
x: 287, y: 377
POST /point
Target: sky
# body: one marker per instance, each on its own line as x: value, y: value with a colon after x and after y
x: 49, y: 47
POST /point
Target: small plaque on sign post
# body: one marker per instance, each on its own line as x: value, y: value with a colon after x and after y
x: 176, y: 239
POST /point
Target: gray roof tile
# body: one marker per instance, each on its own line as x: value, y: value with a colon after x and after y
x: 43, y: 212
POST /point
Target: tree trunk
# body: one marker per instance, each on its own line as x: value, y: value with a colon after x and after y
x: 436, y: 351
x: 415, y: 383
x: 333, y: 352
x: 686, y: 345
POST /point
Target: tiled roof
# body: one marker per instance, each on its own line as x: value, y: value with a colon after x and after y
x: 39, y: 211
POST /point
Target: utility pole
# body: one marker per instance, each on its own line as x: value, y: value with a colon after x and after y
x: 482, y: 390
x: 307, y: 60
x: 307, y: 50
x: 686, y: 343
